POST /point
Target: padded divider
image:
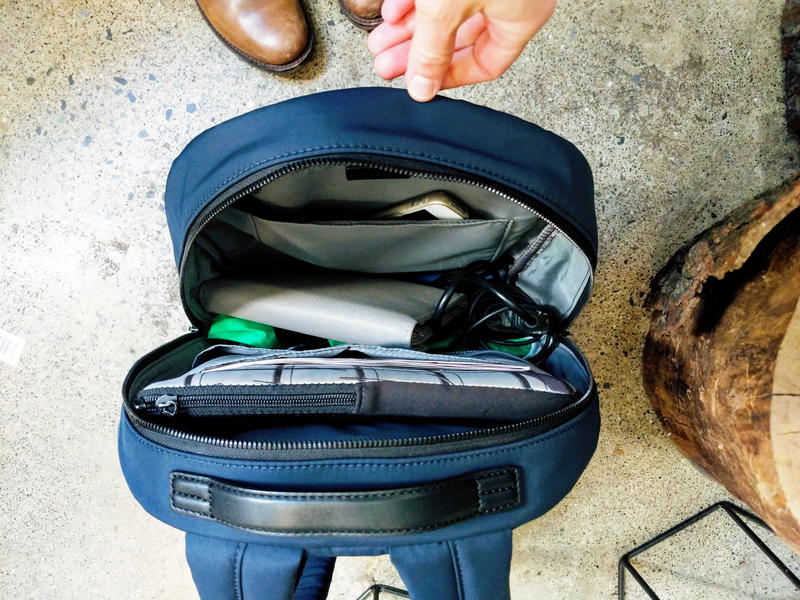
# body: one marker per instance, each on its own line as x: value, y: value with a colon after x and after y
x: 393, y: 246
x: 556, y: 275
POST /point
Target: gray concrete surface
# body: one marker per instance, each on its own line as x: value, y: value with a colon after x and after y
x: 677, y: 105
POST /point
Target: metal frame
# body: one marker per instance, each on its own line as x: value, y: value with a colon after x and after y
x: 734, y: 512
x: 374, y: 593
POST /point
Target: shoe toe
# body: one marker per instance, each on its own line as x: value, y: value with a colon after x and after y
x: 270, y: 32
x: 275, y: 39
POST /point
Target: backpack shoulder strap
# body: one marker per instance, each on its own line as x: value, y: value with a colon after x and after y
x: 225, y: 570
x: 474, y: 568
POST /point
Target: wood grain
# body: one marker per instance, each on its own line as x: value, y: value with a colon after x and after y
x: 722, y: 310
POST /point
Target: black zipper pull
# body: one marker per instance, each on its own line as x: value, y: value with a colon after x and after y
x: 167, y: 405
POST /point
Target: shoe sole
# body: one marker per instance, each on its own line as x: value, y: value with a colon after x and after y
x: 284, y: 68
x: 360, y: 22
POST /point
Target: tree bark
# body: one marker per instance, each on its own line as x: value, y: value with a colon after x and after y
x: 721, y: 359
x: 790, y: 41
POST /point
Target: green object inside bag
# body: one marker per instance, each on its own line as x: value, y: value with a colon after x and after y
x: 260, y: 335
x: 520, y: 351
x: 243, y: 331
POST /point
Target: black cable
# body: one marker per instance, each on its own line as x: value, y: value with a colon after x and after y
x: 497, y: 312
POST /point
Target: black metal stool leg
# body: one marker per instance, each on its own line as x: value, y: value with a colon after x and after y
x: 374, y: 592
x: 736, y: 514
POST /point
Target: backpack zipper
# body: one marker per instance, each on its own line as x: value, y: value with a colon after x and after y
x: 170, y: 405
x: 259, y: 182
x: 204, y: 444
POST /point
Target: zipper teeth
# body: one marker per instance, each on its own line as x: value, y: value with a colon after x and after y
x: 190, y: 401
x: 353, y: 444
x: 301, y: 165
x: 275, y: 399
x: 238, y: 196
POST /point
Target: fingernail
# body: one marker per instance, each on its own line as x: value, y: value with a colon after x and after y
x: 421, y: 88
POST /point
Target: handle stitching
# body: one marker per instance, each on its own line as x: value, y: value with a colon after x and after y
x: 334, y: 532
x: 495, y: 491
x: 210, y: 483
x: 189, y: 496
x: 311, y: 496
x: 479, y: 510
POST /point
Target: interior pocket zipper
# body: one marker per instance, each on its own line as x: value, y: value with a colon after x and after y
x: 326, y: 449
x: 197, y: 405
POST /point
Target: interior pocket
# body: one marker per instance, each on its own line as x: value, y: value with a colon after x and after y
x: 360, y: 387
x: 383, y: 246
x: 357, y: 393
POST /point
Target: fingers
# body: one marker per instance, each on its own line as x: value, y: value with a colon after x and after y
x: 432, y: 46
x: 392, y: 62
x: 483, y: 61
x: 392, y: 45
x: 441, y: 44
x: 469, y: 30
x: 495, y: 49
x: 386, y: 35
x: 393, y: 11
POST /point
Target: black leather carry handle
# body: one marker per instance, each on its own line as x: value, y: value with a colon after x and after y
x: 372, y: 512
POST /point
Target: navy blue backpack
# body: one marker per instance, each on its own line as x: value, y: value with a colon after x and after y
x: 334, y: 217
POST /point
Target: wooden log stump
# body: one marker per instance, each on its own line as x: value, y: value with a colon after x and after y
x: 722, y: 357
x: 790, y: 42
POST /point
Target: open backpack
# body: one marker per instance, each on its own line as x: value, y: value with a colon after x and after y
x: 366, y: 240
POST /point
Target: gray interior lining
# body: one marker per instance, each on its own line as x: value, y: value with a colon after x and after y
x: 549, y: 267
x: 390, y: 246
x: 318, y: 187
x: 554, y: 273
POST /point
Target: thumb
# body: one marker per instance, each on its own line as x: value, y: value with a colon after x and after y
x: 435, y: 26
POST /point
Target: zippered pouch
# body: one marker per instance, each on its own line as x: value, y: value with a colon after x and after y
x: 350, y: 400
x: 424, y: 386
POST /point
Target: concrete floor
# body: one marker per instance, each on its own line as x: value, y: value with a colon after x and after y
x: 677, y: 105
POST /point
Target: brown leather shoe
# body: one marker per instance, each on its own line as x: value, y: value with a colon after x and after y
x: 273, y: 34
x: 363, y: 13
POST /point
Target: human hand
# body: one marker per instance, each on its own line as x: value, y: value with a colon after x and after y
x: 440, y: 44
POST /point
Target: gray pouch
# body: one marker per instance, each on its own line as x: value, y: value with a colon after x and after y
x: 360, y: 380
x: 355, y: 308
